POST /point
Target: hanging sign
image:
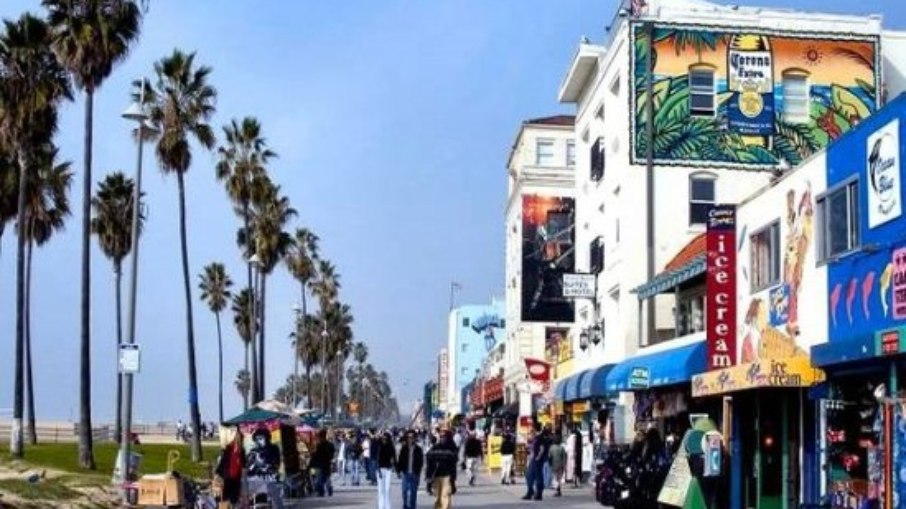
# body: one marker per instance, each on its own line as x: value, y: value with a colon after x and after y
x: 720, y: 279
x: 579, y: 286
x: 882, y: 163
x: 130, y: 358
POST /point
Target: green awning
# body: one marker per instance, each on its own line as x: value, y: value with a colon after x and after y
x: 669, y: 280
x: 254, y: 415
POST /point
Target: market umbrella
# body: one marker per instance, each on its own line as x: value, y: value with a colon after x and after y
x: 254, y: 415
x: 273, y: 405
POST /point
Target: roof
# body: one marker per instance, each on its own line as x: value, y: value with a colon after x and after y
x: 561, y: 120
x: 695, y: 248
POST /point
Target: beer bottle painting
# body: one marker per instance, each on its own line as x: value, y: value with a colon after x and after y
x: 750, y: 79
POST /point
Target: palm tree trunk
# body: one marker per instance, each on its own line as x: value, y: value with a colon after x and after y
x: 219, y: 368
x: 253, y: 374
x: 245, y: 394
x: 308, y: 384
x: 118, y: 275
x: 190, y: 332
x: 303, y: 338
x: 86, y: 445
x: 15, y: 439
x: 261, y: 350
x: 31, y: 435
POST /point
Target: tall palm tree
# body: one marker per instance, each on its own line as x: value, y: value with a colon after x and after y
x: 301, y: 260
x: 359, y: 355
x: 47, y: 207
x: 241, y: 166
x: 242, y: 320
x: 182, y: 105
x: 112, y: 209
x: 32, y: 84
x: 326, y: 289
x: 270, y: 213
x: 90, y: 37
x: 338, y: 318
x: 215, y: 291
x: 243, y: 384
x: 9, y: 185
x: 306, y: 344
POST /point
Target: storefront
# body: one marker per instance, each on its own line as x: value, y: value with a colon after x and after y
x: 582, y: 401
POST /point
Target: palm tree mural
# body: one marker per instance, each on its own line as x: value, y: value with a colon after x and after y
x: 47, y: 207
x: 90, y: 37
x: 215, y: 291
x: 112, y: 207
x: 32, y: 85
x: 242, y: 168
x: 183, y: 103
x: 242, y: 320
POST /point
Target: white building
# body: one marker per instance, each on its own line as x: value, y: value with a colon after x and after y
x: 541, y: 164
x: 740, y: 94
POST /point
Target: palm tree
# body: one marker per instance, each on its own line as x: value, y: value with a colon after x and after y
x: 47, y: 207
x: 90, y: 37
x: 32, y: 84
x: 301, y: 262
x: 270, y: 212
x: 338, y: 318
x: 243, y: 383
x: 326, y: 289
x: 360, y: 355
x: 306, y: 344
x: 242, y: 320
x: 112, y: 209
x: 9, y: 184
x: 241, y: 167
x: 215, y: 291
x: 182, y: 105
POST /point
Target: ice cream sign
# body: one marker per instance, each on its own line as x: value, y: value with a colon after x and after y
x: 883, y: 167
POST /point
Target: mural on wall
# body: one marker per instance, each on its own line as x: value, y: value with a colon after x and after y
x: 548, y: 252
x: 485, y: 325
x: 771, y: 324
x: 735, y: 82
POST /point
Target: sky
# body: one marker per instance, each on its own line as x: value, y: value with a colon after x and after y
x: 393, y: 120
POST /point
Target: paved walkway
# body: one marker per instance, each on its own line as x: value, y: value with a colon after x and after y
x: 487, y: 494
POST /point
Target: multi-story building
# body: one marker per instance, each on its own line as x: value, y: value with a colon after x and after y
x: 540, y: 224
x: 473, y: 331
x: 684, y: 105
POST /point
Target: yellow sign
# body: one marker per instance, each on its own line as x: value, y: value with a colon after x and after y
x: 580, y: 407
x: 790, y: 372
x: 494, y: 443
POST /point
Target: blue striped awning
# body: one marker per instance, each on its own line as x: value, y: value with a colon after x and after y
x: 667, y: 367
x: 572, y: 387
x: 669, y: 280
x: 560, y: 389
x: 594, y: 384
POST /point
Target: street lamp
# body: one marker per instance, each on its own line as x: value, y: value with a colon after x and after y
x: 597, y: 333
x: 299, y: 333
x: 339, y: 405
x: 324, y: 336
x: 583, y: 340
x: 257, y: 388
x: 137, y: 113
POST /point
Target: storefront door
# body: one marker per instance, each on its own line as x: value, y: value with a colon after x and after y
x: 769, y: 437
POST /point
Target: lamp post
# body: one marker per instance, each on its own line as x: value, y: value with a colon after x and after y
x: 255, y: 263
x: 299, y: 335
x: 324, y: 336
x: 136, y: 112
x: 339, y: 405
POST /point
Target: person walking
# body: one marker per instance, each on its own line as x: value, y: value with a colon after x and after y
x: 355, y: 460
x: 229, y: 469
x: 409, y: 467
x: 385, y: 454
x: 342, y: 452
x: 535, y: 474
x: 577, y: 456
x: 441, y: 470
x: 507, y: 450
x: 558, y: 464
x: 473, y: 453
x: 321, y: 460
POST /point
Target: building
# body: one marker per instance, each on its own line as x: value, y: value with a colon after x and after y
x: 442, y: 389
x: 540, y: 227
x: 688, y: 104
x: 473, y: 331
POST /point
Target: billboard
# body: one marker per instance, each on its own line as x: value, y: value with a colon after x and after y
x: 556, y: 345
x: 548, y: 252
x: 748, y: 97
x: 721, y: 287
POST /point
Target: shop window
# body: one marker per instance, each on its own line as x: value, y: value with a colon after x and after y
x: 765, y: 256
x: 701, y: 91
x: 701, y: 197
x: 570, y: 153
x: 838, y: 221
x: 465, y: 322
x: 690, y: 314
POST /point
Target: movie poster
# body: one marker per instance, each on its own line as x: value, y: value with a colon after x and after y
x: 548, y: 251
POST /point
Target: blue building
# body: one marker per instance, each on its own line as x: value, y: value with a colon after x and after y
x: 473, y: 331
x: 862, y: 239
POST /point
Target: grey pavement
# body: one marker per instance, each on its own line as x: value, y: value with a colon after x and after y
x: 488, y: 493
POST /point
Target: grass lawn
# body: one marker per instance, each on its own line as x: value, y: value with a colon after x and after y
x: 49, y: 489
x: 64, y: 457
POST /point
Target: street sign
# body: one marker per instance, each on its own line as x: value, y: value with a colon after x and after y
x: 130, y: 358
x: 579, y: 286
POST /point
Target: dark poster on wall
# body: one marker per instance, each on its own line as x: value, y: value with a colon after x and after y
x: 548, y: 251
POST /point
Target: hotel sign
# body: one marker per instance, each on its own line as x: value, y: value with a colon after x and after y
x: 720, y: 319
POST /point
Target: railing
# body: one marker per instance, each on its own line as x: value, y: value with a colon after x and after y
x: 62, y: 433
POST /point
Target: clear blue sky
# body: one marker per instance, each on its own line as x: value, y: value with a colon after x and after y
x: 393, y: 120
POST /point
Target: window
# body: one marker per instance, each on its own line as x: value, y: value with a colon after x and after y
x: 615, y: 86
x: 597, y: 160
x: 701, y: 91
x: 570, y: 153
x: 544, y: 152
x: 503, y: 324
x: 701, y: 197
x: 465, y: 322
x: 465, y: 347
x: 599, y: 113
x: 765, y: 256
x: 690, y: 314
x: 838, y: 221
x: 596, y: 255
x: 796, y: 101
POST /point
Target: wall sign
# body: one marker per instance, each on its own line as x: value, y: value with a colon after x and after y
x: 639, y: 378
x: 898, y: 282
x: 882, y: 163
x: 579, y: 286
x: 720, y: 280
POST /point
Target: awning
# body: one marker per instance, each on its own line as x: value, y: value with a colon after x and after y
x: 789, y: 372
x: 670, y: 279
x: 839, y: 352
x: 572, y: 386
x: 594, y: 384
x: 560, y: 389
x: 668, y: 367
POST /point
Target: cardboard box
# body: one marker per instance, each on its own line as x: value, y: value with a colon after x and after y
x: 160, y: 489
